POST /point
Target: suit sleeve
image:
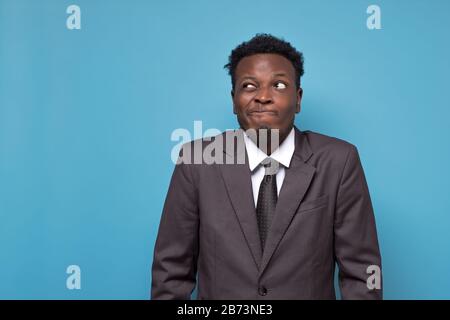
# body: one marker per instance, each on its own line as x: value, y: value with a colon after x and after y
x: 176, y: 250
x: 355, y: 237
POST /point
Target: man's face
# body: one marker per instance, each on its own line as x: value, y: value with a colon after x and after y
x: 265, y: 94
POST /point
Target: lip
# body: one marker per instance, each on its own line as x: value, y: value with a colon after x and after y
x: 260, y: 113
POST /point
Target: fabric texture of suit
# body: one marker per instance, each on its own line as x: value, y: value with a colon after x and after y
x: 208, y: 234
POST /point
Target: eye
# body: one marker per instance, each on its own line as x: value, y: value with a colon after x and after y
x: 248, y: 86
x: 280, y: 85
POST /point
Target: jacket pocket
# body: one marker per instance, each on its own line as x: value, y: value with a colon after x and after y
x: 320, y: 202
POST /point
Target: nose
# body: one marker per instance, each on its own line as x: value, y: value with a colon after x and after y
x: 263, y: 96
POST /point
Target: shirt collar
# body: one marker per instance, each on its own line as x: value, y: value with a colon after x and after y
x: 283, y: 154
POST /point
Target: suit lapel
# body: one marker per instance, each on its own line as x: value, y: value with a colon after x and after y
x: 237, y: 178
x: 297, y: 179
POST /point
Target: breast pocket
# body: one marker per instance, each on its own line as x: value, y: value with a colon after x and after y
x: 312, y: 205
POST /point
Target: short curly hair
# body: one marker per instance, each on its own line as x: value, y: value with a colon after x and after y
x: 265, y: 43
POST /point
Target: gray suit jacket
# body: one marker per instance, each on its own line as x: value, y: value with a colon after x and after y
x: 323, y: 215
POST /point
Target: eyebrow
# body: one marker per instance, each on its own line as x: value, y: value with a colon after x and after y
x: 278, y: 74
x: 247, y: 77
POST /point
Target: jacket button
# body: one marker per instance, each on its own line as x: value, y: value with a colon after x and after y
x: 262, y: 291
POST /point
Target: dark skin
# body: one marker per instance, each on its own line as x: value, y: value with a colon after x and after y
x: 265, y: 94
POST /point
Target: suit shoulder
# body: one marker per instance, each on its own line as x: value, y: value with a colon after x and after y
x: 204, y: 141
x: 192, y: 151
x: 323, y: 143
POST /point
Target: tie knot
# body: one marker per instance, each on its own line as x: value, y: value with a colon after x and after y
x: 271, y: 166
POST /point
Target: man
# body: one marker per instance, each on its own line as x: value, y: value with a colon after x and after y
x: 274, y: 226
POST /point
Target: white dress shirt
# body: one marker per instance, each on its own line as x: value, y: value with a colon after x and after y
x: 283, y: 154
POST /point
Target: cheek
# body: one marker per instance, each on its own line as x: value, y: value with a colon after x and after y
x: 242, y: 102
x: 287, y: 112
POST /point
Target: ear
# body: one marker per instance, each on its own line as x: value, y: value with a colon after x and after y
x: 232, y: 98
x: 299, y: 100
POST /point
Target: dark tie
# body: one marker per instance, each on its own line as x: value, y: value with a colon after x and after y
x: 267, y: 198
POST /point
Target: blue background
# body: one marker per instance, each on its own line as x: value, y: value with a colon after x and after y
x: 86, y: 118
